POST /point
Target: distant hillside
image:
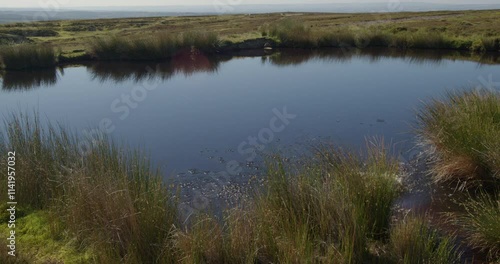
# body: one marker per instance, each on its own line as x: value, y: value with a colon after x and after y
x: 18, y: 15
x: 12, y: 16
x: 329, y: 8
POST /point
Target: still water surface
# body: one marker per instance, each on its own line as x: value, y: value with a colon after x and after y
x: 195, y: 113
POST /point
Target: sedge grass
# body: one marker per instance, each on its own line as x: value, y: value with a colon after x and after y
x: 298, y: 34
x: 326, y: 213
x: 462, y: 132
x: 159, y: 47
x: 412, y: 241
x: 27, y: 56
x: 109, y: 200
x: 481, y: 223
x: 112, y: 203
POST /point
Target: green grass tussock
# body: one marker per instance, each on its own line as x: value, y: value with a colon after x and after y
x: 412, y: 241
x: 481, y: 223
x: 463, y: 133
x: 159, y: 47
x: 110, y: 201
x: 293, y: 34
x: 27, y: 56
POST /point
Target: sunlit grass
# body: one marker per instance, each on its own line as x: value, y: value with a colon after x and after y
x: 107, y: 198
x: 298, y: 34
x: 462, y: 132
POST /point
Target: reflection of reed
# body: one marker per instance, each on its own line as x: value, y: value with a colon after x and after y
x: 289, y: 57
x: 185, y: 62
x: 26, y: 80
x: 191, y: 61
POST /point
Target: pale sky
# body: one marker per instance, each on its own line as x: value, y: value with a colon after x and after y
x: 83, y: 3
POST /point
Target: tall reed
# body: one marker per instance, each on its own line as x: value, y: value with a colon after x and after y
x: 108, y: 198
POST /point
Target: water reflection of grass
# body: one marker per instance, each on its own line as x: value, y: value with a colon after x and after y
x: 299, y: 56
x: 26, y: 80
x: 183, y: 62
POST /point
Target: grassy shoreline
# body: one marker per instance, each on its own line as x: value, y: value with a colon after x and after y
x: 338, y: 206
x: 110, y: 206
x: 137, y: 52
x: 475, y: 31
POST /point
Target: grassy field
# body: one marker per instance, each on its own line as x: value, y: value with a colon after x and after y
x: 72, y: 37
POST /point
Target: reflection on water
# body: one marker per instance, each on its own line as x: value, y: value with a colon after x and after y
x: 296, y: 57
x: 184, y: 62
x: 189, y: 62
x: 199, y: 122
x: 25, y: 80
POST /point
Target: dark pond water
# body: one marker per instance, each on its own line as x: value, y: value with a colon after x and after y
x: 196, y: 113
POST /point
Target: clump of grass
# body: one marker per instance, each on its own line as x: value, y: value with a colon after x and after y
x: 413, y: 241
x: 339, y: 39
x: 293, y: 34
x: 28, y: 56
x: 159, y: 47
x: 327, y: 212
x: 203, y: 243
x: 463, y: 133
x: 204, y: 41
x: 108, y: 199
x: 429, y: 40
x: 36, y: 161
x: 481, y: 223
x: 482, y: 44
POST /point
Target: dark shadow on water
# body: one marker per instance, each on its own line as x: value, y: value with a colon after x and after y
x: 189, y: 62
x: 290, y: 57
x: 27, y: 80
x: 184, y: 62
